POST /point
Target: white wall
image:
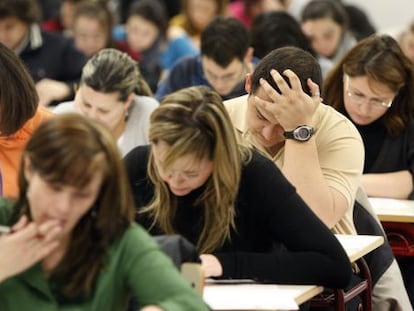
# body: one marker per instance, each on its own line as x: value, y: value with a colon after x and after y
x: 387, y: 14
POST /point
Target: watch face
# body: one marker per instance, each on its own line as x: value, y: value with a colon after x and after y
x: 303, y: 132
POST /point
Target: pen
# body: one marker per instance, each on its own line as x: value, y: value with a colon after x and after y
x: 4, y: 229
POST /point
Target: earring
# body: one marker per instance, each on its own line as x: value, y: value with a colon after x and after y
x: 94, y: 211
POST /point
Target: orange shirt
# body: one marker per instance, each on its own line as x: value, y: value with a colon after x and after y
x: 11, y: 148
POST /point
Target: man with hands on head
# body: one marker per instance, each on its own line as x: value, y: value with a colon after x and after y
x: 317, y: 149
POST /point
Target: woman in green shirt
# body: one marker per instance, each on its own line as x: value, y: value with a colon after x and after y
x: 73, y: 244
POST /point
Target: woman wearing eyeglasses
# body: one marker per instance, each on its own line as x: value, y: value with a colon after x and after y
x: 373, y: 85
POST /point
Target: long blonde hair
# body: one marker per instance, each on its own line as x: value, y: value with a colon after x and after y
x: 194, y: 121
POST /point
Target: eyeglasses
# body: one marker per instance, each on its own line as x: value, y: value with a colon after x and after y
x: 359, y: 98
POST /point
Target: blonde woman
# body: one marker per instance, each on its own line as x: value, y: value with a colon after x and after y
x: 195, y: 180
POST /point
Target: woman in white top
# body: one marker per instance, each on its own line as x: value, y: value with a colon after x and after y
x: 113, y: 91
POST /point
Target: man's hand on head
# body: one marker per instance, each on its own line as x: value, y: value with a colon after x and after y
x: 292, y: 106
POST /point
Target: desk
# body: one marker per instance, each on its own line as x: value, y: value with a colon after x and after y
x: 248, y: 295
x: 397, y: 218
x: 357, y: 246
x: 393, y: 210
x: 253, y: 296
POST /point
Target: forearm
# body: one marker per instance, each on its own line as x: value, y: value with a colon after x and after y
x: 396, y: 185
x: 302, y: 168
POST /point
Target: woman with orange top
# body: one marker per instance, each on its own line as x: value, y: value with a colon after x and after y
x: 20, y: 115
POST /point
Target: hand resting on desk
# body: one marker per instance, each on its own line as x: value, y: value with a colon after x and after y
x: 210, y: 265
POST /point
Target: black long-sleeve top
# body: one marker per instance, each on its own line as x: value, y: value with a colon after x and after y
x: 277, y: 239
x: 386, y: 154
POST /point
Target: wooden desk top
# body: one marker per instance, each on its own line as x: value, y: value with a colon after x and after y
x: 357, y: 246
x: 255, y: 296
x: 249, y: 295
x: 393, y: 210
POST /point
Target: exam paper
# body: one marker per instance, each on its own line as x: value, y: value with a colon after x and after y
x: 248, y: 297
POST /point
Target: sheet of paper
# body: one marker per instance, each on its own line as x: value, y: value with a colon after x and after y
x: 248, y: 297
x: 384, y: 203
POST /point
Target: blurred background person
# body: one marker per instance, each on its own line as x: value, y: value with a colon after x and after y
x: 53, y: 61
x: 247, y: 10
x: 276, y: 29
x: 196, y: 15
x: 92, y: 27
x: 325, y: 23
x: 152, y: 43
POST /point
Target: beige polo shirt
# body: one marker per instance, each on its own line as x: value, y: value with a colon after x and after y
x: 340, y: 149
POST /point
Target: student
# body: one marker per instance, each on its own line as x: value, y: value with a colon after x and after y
x: 247, y: 10
x: 53, y: 61
x: 272, y: 30
x: 196, y: 15
x: 380, y: 106
x: 325, y: 22
x: 75, y: 242
x: 62, y: 21
x: 113, y: 91
x: 149, y: 41
x: 19, y: 115
x: 325, y: 160
x: 195, y: 180
x: 92, y: 27
x: 173, y: 8
x: 263, y: 125
x: 225, y: 59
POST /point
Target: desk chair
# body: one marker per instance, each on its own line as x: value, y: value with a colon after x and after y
x: 401, y: 238
x: 371, y: 267
x: 340, y: 299
x: 185, y: 257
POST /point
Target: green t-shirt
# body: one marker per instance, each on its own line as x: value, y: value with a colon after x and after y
x: 136, y: 266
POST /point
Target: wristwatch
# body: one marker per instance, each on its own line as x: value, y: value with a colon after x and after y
x: 301, y: 133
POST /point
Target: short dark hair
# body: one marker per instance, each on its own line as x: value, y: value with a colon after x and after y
x: 28, y: 11
x: 317, y: 9
x: 276, y: 29
x: 224, y: 39
x: 153, y: 11
x: 18, y: 96
x: 299, y: 61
